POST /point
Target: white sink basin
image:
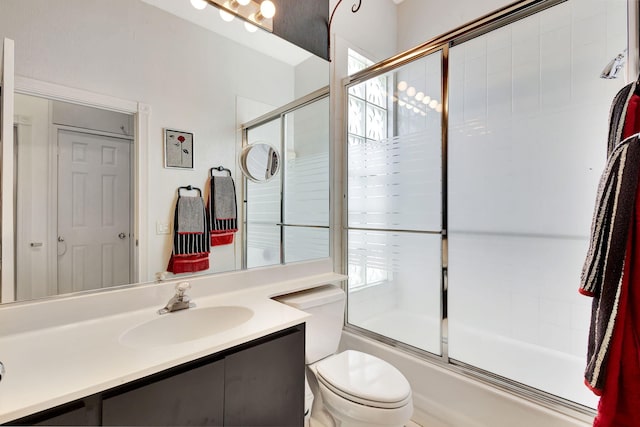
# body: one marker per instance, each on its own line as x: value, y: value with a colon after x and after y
x: 185, y: 325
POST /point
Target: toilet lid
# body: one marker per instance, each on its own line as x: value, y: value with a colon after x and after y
x: 365, y: 379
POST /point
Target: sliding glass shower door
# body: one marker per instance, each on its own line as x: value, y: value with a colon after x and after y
x: 395, y: 203
x: 287, y: 217
x: 467, y: 242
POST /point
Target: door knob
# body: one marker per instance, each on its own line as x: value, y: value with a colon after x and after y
x: 122, y: 235
x: 63, y: 246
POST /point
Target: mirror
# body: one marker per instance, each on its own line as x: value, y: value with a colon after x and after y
x: 185, y: 69
x: 259, y: 162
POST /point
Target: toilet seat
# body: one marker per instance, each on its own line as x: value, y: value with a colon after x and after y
x: 364, y: 379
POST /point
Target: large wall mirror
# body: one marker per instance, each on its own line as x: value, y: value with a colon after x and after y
x: 186, y: 69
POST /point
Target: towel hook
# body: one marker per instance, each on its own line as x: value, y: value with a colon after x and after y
x: 219, y: 169
x: 190, y: 188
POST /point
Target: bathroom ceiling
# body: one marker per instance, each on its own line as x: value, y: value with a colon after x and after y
x: 260, y: 40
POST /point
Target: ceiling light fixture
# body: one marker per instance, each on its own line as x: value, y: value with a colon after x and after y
x: 226, y: 16
x: 255, y: 13
x: 250, y: 27
x: 267, y: 11
x: 199, y: 4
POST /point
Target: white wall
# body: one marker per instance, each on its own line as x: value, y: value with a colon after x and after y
x: 32, y: 185
x: 421, y: 20
x: 190, y: 77
x: 372, y: 31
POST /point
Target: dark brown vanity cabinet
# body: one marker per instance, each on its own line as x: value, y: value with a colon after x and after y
x: 190, y: 397
x: 260, y: 383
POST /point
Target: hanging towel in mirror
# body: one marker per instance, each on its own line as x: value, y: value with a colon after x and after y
x: 222, y: 210
x: 190, y: 237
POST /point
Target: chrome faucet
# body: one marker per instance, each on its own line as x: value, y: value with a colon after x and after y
x: 179, y: 301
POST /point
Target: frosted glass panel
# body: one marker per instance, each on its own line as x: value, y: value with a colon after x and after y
x: 394, y: 149
x: 263, y: 245
x: 395, y: 284
x: 304, y: 243
x: 306, y: 177
x: 527, y: 139
x: 264, y: 206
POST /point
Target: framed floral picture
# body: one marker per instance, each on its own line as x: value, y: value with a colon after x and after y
x: 178, y: 149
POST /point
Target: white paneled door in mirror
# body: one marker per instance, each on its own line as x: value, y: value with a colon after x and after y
x: 94, y: 215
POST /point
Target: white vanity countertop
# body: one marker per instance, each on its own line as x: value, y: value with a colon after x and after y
x: 49, y: 366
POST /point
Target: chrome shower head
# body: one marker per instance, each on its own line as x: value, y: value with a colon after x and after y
x: 614, y: 66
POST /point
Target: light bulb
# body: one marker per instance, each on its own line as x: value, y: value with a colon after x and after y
x: 426, y: 100
x: 411, y: 91
x: 267, y: 9
x: 199, y: 4
x: 439, y: 108
x: 433, y: 103
x: 419, y: 96
x: 226, y: 16
x: 402, y: 86
x: 250, y: 27
x: 243, y: 2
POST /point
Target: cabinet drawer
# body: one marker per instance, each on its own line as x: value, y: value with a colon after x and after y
x: 195, y: 397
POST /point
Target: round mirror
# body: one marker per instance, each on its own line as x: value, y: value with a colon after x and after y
x: 259, y: 162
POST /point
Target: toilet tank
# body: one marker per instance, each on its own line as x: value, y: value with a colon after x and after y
x: 324, y: 327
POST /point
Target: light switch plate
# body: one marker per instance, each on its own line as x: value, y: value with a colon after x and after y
x: 162, y: 227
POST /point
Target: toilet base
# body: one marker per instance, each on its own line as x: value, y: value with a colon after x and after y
x: 332, y: 410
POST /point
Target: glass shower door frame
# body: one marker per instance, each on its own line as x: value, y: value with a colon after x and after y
x: 281, y: 114
x: 483, y: 25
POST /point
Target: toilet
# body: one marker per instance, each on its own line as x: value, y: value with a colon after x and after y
x: 351, y: 388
